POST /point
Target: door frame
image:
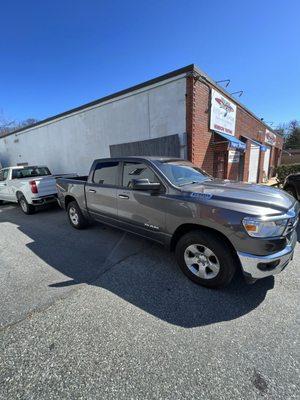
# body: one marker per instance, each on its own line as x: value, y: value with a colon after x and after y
x: 269, y: 164
x: 4, y: 184
x: 109, y: 218
x: 131, y: 226
x: 216, y: 152
x: 137, y: 161
x: 258, y: 163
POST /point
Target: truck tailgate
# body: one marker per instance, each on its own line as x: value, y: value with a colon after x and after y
x: 46, y: 186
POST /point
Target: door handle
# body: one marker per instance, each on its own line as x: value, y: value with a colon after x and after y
x: 92, y: 191
x: 123, y: 196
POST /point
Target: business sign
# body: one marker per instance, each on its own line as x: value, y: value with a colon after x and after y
x: 233, y: 156
x: 222, y: 113
x: 270, y: 138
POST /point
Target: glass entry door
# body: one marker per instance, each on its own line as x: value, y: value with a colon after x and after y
x: 220, y: 164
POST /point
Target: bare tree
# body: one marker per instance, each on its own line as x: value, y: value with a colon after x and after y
x: 7, y: 125
x: 292, y: 137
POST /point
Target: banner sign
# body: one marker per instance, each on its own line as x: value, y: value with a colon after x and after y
x: 233, y: 156
x: 222, y: 113
x: 270, y: 138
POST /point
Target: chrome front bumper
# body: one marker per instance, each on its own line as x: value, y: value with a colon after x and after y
x: 261, y: 266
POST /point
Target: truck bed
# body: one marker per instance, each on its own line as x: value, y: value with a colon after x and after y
x: 74, y: 187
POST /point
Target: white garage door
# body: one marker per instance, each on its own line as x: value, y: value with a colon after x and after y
x: 267, y: 161
x: 253, y: 164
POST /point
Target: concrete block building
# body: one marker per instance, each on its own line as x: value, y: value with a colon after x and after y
x: 181, y: 114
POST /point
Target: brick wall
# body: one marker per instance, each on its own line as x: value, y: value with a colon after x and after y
x: 291, y: 157
x: 200, y: 138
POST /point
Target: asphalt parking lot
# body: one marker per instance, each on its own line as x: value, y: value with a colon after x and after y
x: 100, y: 314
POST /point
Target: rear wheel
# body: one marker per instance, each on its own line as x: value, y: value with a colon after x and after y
x: 205, y: 259
x: 76, y: 218
x: 25, y: 207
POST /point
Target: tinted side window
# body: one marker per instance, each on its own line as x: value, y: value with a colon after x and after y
x: 3, y: 174
x: 106, y: 173
x: 30, y: 171
x: 137, y: 171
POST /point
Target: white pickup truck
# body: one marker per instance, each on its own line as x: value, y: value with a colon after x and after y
x: 30, y: 186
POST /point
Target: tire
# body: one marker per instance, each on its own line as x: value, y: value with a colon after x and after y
x: 1, y: 202
x: 27, y: 209
x: 76, y: 218
x: 205, y: 259
x: 290, y: 190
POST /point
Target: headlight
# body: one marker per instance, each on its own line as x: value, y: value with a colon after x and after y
x: 259, y: 228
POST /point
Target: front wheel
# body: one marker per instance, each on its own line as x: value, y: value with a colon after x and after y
x: 76, y: 218
x: 205, y: 259
x: 25, y: 207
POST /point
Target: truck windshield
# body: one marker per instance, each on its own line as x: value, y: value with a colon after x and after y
x: 30, y: 172
x: 182, y: 173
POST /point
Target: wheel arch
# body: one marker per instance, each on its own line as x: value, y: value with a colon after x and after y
x: 186, y: 228
x: 68, y: 199
x: 19, y: 194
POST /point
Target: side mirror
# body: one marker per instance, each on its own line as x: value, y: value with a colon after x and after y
x: 144, y: 184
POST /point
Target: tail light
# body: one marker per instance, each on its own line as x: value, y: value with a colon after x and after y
x: 33, y: 186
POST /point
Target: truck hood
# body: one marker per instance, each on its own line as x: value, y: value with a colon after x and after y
x: 247, y: 194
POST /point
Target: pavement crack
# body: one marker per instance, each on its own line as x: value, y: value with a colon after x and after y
x: 112, y: 265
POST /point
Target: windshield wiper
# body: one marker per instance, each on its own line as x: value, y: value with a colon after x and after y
x: 190, y: 183
x: 195, y: 182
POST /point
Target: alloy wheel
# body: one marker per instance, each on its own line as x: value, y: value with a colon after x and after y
x: 23, y: 205
x: 74, y: 215
x: 201, y: 261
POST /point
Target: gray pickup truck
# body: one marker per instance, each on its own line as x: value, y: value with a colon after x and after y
x: 213, y: 226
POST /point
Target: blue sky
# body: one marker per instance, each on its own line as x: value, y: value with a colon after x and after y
x: 56, y: 55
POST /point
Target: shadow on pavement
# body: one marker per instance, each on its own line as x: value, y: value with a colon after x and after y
x: 137, y: 271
